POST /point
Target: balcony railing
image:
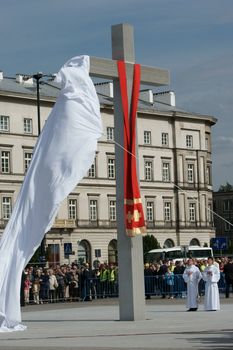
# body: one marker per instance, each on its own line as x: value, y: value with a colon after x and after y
x: 150, y: 224
x: 96, y: 223
x: 64, y: 223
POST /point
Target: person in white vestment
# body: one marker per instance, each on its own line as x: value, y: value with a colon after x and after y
x: 192, y: 277
x: 211, y: 276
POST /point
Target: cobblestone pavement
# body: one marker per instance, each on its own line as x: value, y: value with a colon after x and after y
x: 95, y: 326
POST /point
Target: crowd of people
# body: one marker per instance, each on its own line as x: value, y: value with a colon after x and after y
x: 74, y: 282
x: 68, y: 282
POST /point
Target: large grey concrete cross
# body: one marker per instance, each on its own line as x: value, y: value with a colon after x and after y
x: 130, y: 251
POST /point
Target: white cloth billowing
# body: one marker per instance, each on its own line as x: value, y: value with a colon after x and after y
x: 211, y: 276
x: 62, y: 156
x: 192, y: 277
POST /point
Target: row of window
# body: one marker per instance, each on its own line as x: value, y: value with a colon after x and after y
x: 149, y: 174
x: 164, y: 138
x: 167, y: 212
x: 5, y: 124
x: 111, y: 168
x: 149, y: 171
x: 5, y: 165
x: 150, y: 209
x: 28, y: 129
x: 147, y: 137
x: 93, y: 210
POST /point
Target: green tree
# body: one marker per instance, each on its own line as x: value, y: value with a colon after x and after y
x: 35, y: 259
x: 225, y: 188
x: 149, y: 242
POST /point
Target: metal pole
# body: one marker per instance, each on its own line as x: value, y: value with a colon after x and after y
x: 38, y: 105
x: 37, y: 77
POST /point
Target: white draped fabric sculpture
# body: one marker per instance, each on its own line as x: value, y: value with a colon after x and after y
x: 62, y: 156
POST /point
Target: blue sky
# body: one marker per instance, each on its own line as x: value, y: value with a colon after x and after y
x: 191, y: 38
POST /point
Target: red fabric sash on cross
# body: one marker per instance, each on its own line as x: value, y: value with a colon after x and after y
x: 134, y: 216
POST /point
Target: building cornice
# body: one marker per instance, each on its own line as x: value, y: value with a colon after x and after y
x: 24, y: 96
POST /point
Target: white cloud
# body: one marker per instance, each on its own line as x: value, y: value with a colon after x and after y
x: 224, y: 139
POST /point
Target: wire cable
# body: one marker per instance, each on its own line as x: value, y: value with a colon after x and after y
x: 181, y: 189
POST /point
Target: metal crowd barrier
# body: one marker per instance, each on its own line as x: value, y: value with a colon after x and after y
x: 175, y: 287
x: 93, y: 288
x: 162, y: 286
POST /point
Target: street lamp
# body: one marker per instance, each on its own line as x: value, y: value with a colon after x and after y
x: 37, y: 77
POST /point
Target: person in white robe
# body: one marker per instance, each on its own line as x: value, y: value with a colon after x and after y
x: 211, y: 276
x: 192, y: 277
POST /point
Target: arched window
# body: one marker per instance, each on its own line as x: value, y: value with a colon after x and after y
x: 169, y: 243
x: 195, y: 241
x: 112, y: 252
x: 84, y: 252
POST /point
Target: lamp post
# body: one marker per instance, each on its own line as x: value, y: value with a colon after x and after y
x: 38, y: 76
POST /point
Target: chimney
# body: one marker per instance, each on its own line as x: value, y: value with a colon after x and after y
x: 146, y: 96
x: 1, y: 75
x: 19, y: 78
x: 165, y: 97
x: 105, y: 88
x: 24, y: 79
x: 27, y: 80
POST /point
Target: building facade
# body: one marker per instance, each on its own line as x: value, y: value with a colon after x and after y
x: 223, y: 206
x: 174, y: 157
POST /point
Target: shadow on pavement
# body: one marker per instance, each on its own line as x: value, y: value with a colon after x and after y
x: 222, y: 340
